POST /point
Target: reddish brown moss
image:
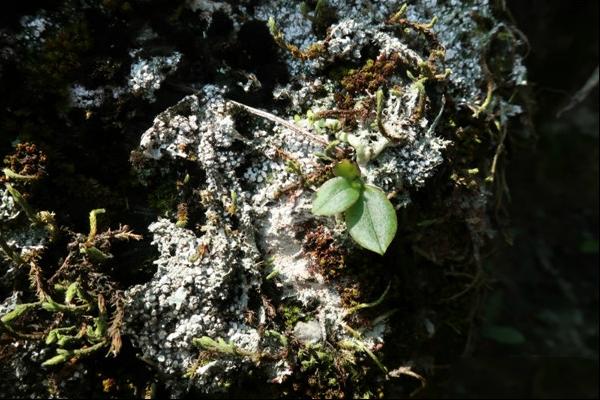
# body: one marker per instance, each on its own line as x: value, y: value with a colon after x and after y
x: 27, y: 160
x: 373, y: 75
x: 25, y: 165
x: 328, y: 258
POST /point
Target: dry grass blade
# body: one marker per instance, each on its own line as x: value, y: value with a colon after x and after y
x: 280, y: 121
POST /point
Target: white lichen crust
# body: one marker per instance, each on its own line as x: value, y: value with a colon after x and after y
x: 147, y: 74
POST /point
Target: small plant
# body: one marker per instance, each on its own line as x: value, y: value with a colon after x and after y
x: 370, y: 217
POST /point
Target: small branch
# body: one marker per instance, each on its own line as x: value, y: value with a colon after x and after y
x: 499, y: 150
x: 357, y: 344
x: 37, y: 280
x: 379, y: 114
x: 487, y: 101
x: 407, y: 371
x: 476, y: 283
x: 66, y: 264
x: 220, y: 346
x: 437, y: 119
x: 124, y: 233
x: 312, y: 52
x: 116, y: 325
x: 65, y: 355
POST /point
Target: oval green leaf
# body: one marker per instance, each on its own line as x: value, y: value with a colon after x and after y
x: 372, y: 220
x: 335, y: 196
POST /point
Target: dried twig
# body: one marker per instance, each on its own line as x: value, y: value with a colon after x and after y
x: 581, y: 94
x: 280, y: 121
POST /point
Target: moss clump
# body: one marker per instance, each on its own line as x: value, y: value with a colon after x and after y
x: 91, y: 316
x: 318, y: 364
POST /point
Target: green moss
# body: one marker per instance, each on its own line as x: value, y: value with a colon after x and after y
x: 291, y: 315
x: 314, y: 356
x: 164, y: 198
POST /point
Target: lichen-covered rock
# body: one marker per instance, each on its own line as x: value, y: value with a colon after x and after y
x: 193, y: 294
x: 203, y: 283
x: 392, y: 115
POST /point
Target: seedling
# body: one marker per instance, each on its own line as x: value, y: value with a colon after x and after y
x: 370, y: 217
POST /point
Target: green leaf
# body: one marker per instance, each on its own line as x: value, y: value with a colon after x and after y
x: 372, y: 220
x: 335, y: 196
x: 346, y: 169
x: 503, y: 334
x: 589, y: 246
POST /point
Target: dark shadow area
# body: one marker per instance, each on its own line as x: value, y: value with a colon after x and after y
x: 539, y: 336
